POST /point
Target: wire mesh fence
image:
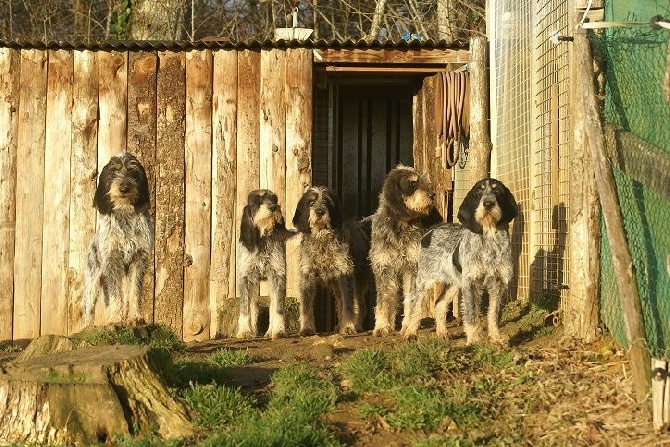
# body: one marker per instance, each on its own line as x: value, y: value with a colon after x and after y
x: 531, y: 135
x: 530, y: 128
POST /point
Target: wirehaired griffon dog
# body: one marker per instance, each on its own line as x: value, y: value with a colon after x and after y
x: 261, y: 254
x: 118, y: 254
x: 474, y: 257
x: 406, y: 210
x: 333, y: 254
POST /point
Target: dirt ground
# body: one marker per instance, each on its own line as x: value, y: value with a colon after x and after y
x: 585, y: 392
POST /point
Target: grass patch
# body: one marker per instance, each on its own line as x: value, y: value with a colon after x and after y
x: 156, y: 336
x: 216, y: 406
x: 293, y: 416
x: 228, y: 358
x: 367, y: 369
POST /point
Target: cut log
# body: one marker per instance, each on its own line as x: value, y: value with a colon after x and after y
x: 87, y: 395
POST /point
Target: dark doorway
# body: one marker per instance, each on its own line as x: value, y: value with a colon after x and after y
x: 362, y: 128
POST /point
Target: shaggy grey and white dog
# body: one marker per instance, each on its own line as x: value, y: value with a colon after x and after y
x: 261, y: 254
x: 474, y: 257
x: 333, y: 254
x: 406, y: 210
x: 118, y: 254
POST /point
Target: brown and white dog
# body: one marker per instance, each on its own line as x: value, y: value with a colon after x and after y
x: 261, y: 254
x: 118, y: 254
x: 406, y: 211
x: 333, y: 254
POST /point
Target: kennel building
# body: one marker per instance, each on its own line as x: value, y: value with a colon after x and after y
x: 210, y: 121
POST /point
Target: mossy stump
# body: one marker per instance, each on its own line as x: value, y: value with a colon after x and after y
x: 87, y: 395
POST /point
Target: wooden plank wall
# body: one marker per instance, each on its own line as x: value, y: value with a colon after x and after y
x: 208, y: 125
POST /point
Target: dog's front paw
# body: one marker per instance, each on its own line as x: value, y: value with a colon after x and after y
x: 383, y: 331
x: 245, y: 335
x: 275, y: 334
x: 408, y: 334
x: 348, y: 330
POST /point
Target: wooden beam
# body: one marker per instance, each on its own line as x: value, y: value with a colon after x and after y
x: 388, y: 56
x: 638, y: 350
x: 394, y: 69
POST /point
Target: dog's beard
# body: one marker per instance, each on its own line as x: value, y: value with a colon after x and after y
x: 419, y: 202
x: 122, y: 201
x: 318, y: 223
x: 266, y: 219
x: 488, y: 219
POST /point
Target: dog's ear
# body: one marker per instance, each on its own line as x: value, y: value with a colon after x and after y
x: 433, y: 218
x: 466, y: 212
x: 249, y: 233
x: 334, y: 209
x: 301, y: 216
x: 101, y: 200
x: 142, y: 186
x: 508, y: 204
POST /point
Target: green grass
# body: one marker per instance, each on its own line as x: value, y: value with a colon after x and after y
x: 228, y: 358
x: 156, y: 336
x: 218, y: 406
x: 292, y: 417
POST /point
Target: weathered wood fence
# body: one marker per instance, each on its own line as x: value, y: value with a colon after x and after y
x: 209, y: 125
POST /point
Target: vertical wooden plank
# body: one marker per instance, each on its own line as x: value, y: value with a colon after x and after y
x: 248, y: 129
x: 223, y: 306
x: 29, y: 195
x: 272, y: 123
x: 170, y: 171
x: 142, y: 66
x: 112, y: 137
x: 273, y: 129
x: 83, y: 166
x: 10, y: 71
x: 56, y: 228
x: 299, y: 105
x: 198, y: 157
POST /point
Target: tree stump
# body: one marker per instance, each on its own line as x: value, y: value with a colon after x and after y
x: 87, y: 395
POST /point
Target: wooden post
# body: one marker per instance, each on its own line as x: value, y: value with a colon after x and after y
x: 223, y: 305
x: 30, y: 194
x: 142, y: 67
x: 198, y: 158
x: 298, y: 98
x: 9, y: 88
x: 638, y: 351
x: 112, y: 123
x: 480, y: 139
x: 248, y: 131
x: 56, y: 228
x: 83, y: 176
x: 170, y: 172
x: 581, y: 308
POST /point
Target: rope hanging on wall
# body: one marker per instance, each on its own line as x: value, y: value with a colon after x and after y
x: 452, y: 113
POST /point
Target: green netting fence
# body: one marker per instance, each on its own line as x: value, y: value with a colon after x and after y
x: 637, y: 119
